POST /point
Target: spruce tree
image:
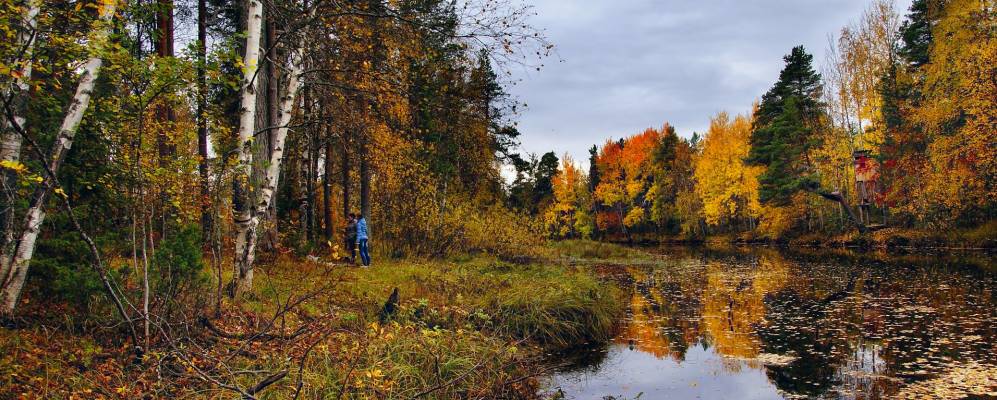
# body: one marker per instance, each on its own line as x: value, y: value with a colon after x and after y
x: 784, y: 130
x: 593, y: 168
x: 915, y: 33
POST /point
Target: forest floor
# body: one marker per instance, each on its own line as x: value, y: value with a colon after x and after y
x: 467, y: 327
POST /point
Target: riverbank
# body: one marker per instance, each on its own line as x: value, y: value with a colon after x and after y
x: 983, y: 238
x: 467, y: 327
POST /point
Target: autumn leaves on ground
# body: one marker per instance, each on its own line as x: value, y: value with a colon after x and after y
x: 463, y: 328
x: 177, y: 176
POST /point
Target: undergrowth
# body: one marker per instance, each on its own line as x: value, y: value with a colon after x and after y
x: 470, y: 327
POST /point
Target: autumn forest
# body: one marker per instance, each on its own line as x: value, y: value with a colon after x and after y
x: 329, y: 199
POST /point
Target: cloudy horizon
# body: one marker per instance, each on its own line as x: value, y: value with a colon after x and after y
x: 623, y: 66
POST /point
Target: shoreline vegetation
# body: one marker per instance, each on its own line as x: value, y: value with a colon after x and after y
x: 465, y: 327
x: 982, y: 238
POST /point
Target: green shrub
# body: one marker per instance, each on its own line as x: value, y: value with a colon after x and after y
x: 178, y: 262
x: 62, y: 263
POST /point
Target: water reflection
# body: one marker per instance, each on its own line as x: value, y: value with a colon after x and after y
x: 764, y: 324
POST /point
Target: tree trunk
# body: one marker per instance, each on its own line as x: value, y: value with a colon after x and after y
x: 301, y: 187
x: 307, y: 201
x: 202, y: 123
x: 313, y: 156
x: 164, y: 110
x: 10, y: 148
x: 345, y: 159
x: 272, y: 174
x: 10, y: 141
x: 13, y: 281
x: 836, y: 196
x: 364, y: 176
x: 327, y: 212
x: 272, y: 119
x: 327, y: 182
x: 164, y: 28
x: 241, y: 208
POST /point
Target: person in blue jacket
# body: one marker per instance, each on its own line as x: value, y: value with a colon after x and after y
x: 362, y: 237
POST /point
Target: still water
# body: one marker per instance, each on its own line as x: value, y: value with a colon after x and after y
x: 769, y: 324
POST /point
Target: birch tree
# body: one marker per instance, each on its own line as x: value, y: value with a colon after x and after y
x: 247, y: 218
x: 16, y: 96
x: 16, y: 270
x: 10, y: 147
x: 242, y: 214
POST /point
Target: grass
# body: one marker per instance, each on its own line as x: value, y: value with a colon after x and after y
x: 477, y: 320
x: 574, y: 250
x: 467, y: 327
x: 549, y: 305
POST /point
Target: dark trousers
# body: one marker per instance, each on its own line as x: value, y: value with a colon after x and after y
x: 364, y: 254
x: 351, y: 247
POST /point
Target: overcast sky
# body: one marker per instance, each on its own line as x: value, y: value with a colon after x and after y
x: 627, y: 65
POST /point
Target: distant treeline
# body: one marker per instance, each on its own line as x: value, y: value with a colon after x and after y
x: 899, y: 129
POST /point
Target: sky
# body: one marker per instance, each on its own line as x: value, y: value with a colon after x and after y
x: 621, y: 66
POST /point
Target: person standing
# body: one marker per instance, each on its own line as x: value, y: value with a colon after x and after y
x: 351, y: 237
x: 362, y: 237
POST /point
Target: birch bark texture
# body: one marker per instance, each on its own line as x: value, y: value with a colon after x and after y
x: 247, y: 232
x: 19, y: 261
x: 10, y: 146
x: 10, y: 139
x: 241, y: 209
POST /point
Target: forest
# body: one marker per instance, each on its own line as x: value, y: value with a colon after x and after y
x: 178, y: 175
x: 894, y: 136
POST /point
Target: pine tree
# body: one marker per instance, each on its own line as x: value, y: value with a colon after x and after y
x: 773, y: 147
x: 915, y: 33
x: 798, y: 79
x: 784, y: 130
x: 593, y: 167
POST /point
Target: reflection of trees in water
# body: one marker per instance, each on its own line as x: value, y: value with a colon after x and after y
x: 582, y: 360
x: 795, y: 326
x: 733, y: 303
x: 930, y: 316
x: 859, y: 328
x: 891, y: 321
x: 664, y: 314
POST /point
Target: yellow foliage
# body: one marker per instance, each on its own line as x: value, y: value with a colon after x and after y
x: 727, y: 186
x: 634, y: 217
x: 959, y: 111
x: 15, y: 166
x: 777, y: 221
x: 568, y: 216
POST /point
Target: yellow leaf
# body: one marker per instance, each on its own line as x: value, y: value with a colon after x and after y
x: 15, y: 166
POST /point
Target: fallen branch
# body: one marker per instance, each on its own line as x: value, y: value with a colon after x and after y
x: 836, y: 196
x: 251, y: 336
x: 270, y: 380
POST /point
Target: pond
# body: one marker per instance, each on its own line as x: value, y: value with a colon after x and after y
x: 762, y: 323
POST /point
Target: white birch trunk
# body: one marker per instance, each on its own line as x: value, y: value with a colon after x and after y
x: 242, y: 278
x: 272, y: 176
x: 10, y: 142
x: 10, y: 146
x: 13, y: 281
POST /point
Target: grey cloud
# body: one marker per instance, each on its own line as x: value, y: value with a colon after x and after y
x: 633, y: 64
